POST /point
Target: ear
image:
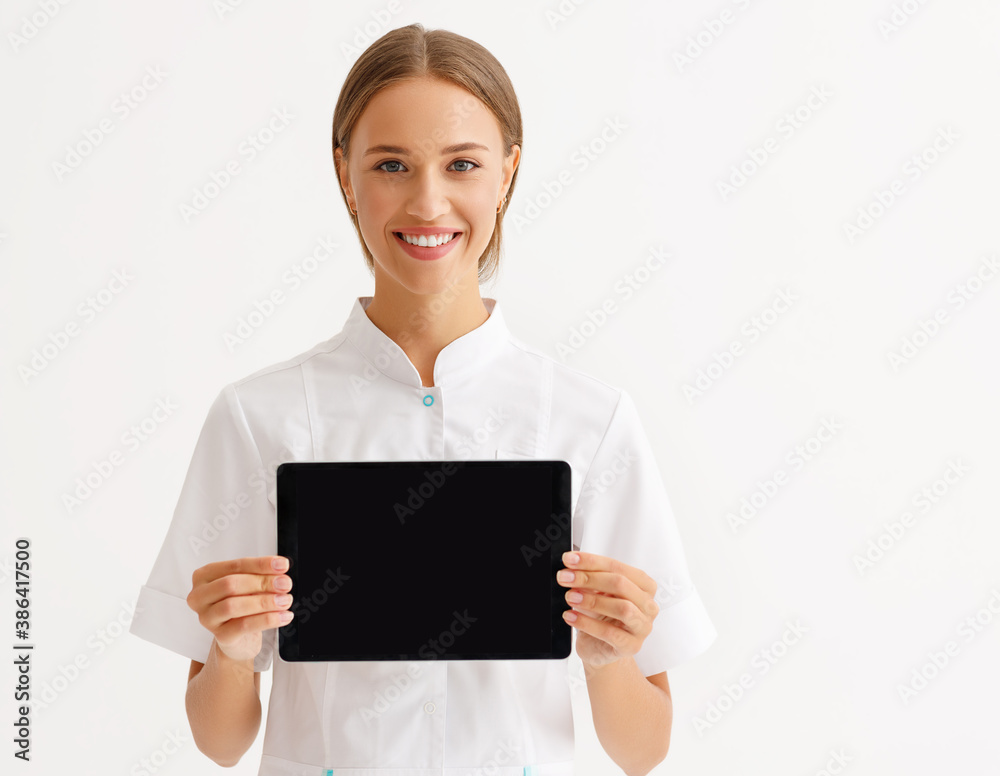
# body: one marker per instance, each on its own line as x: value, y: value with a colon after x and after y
x: 509, y: 167
x: 340, y: 164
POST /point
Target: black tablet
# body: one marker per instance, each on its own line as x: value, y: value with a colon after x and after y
x: 425, y: 560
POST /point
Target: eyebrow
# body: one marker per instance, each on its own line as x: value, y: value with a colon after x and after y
x: 452, y: 149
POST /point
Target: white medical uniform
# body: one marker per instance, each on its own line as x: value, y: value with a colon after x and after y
x: 357, y: 397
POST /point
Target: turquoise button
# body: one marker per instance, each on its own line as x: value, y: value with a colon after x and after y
x: 428, y: 400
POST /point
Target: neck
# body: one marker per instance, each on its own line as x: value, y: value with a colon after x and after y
x: 422, y: 324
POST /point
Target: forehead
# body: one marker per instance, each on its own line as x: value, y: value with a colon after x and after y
x: 424, y: 115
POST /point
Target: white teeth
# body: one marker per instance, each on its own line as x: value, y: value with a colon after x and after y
x: 427, y: 241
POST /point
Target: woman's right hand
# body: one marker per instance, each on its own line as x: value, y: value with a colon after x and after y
x: 237, y: 600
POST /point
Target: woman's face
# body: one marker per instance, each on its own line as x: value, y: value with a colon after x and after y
x: 406, y: 173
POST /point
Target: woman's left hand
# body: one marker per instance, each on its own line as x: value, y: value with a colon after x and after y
x: 617, y: 611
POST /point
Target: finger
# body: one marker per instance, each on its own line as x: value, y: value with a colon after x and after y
x: 611, y: 583
x: 250, y: 624
x: 593, y: 562
x: 239, y: 607
x: 240, y: 584
x: 263, y: 564
x: 207, y: 593
x: 606, y: 631
x: 626, y: 614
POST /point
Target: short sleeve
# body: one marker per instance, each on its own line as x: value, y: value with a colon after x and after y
x: 624, y: 513
x: 222, y: 513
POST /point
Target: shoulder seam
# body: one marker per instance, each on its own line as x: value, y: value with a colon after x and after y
x: 527, y: 349
x: 604, y: 436
x: 243, y: 419
x: 296, y: 361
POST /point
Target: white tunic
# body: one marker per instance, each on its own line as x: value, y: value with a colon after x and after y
x: 357, y: 397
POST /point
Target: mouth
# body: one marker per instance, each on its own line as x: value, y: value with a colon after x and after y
x: 427, y: 247
x: 427, y: 240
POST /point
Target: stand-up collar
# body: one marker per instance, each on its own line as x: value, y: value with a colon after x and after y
x: 462, y: 357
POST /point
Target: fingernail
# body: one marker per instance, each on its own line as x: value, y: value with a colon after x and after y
x: 286, y: 617
x: 279, y: 563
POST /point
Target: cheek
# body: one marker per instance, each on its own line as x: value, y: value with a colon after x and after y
x: 480, y: 205
x: 376, y: 199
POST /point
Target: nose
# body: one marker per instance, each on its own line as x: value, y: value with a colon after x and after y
x: 428, y: 198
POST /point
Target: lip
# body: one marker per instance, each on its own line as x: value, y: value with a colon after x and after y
x: 429, y: 230
x: 422, y: 253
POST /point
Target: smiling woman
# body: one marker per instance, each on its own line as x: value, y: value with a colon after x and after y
x: 419, y: 97
x: 449, y: 195
x: 426, y: 145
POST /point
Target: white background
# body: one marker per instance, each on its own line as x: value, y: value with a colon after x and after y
x: 868, y: 630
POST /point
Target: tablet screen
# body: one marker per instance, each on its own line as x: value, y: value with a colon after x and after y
x: 415, y: 560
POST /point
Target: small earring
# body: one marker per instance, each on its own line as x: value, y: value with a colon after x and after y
x: 501, y: 203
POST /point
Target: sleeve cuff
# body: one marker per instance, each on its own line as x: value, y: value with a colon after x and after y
x: 681, y: 632
x: 168, y: 622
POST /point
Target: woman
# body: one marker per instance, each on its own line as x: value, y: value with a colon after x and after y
x: 426, y: 141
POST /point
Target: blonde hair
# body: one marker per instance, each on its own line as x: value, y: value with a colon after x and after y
x: 413, y: 52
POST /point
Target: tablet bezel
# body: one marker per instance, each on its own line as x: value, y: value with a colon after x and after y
x: 287, y: 543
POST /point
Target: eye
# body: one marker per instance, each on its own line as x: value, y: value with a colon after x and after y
x: 389, y: 162
x: 400, y: 168
x: 465, y: 161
